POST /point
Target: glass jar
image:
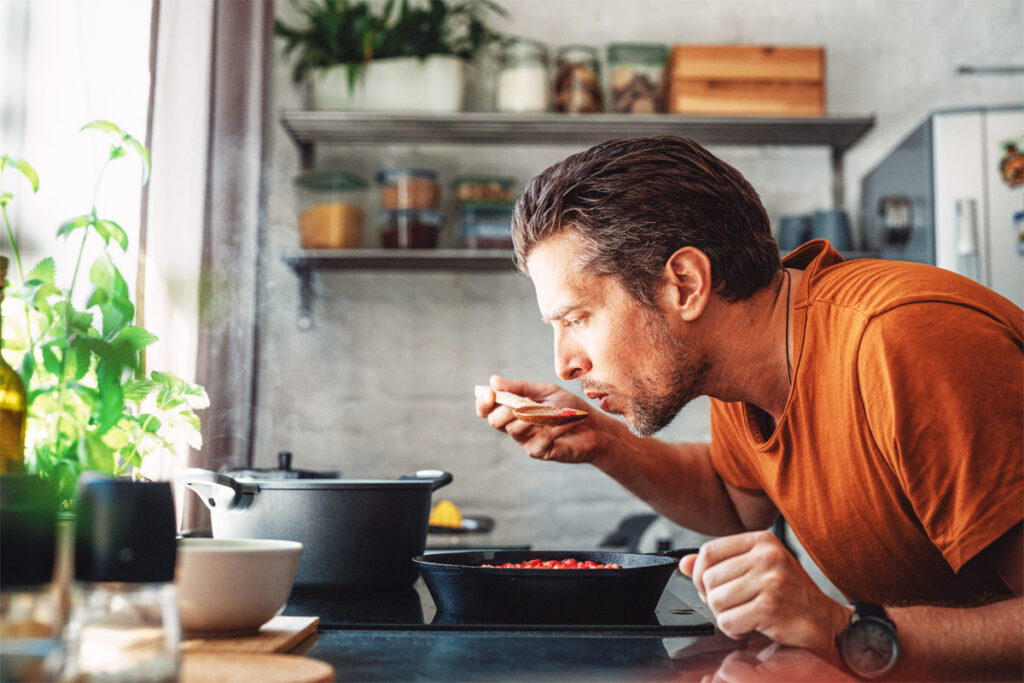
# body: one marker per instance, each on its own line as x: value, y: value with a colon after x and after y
x: 636, y: 77
x: 487, y: 224
x: 577, y: 80
x: 409, y: 188
x: 523, y: 84
x: 409, y: 229
x: 331, y: 213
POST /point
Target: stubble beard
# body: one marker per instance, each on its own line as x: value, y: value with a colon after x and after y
x: 686, y: 369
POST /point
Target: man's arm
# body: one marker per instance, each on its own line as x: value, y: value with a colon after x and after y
x: 977, y: 643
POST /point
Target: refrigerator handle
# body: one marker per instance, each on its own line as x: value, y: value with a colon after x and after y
x: 967, y: 253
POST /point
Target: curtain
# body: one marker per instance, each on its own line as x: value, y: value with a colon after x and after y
x: 202, y: 227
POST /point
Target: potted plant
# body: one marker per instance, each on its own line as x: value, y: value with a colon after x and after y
x: 91, y: 403
x: 405, y: 58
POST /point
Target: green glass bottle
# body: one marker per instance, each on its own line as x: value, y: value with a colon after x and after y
x: 13, y: 404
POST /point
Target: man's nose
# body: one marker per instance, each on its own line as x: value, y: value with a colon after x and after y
x: 570, y: 360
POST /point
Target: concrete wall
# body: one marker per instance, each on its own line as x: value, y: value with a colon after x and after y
x: 383, y: 382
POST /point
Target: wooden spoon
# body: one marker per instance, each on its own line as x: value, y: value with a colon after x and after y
x: 532, y: 412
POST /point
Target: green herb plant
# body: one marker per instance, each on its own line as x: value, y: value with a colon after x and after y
x: 349, y: 33
x: 91, y: 403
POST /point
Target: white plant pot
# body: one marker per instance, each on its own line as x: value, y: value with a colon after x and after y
x: 434, y: 84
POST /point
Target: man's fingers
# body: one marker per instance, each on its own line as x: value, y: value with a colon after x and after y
x: 686, y: 564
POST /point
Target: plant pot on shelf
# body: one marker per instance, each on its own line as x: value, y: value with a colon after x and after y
x: 433, y: 84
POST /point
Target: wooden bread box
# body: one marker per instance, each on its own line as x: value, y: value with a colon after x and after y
x: 746, y: 80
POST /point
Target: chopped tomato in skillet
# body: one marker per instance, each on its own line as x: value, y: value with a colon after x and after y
x: 567, y: 563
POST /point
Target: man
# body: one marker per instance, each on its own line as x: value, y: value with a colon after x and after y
x: 878, y: 406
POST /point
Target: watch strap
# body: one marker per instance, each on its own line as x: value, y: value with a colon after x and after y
x: 867, y: 609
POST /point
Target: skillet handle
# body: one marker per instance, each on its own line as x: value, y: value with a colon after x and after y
x: 217, y: 490
x: 438, y: 478
x: 677, y: 553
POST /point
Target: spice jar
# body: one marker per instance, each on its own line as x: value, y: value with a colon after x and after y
x: 577, y: 81
x: 409, y: 229
x: 523, y: 84
x: 408, y: 188
x: 636, y: 76
x: 330, y: 210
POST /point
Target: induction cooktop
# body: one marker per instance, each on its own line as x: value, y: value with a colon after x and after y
x: 413, y: 608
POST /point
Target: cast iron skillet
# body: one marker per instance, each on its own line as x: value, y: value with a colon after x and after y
x: 461, y: 587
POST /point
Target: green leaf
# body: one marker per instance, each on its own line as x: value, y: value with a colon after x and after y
x: 108, y: 378
x: 30, y: 173
x: 105, y: 126
x: 143, y: 153
x: 45, y: 270
x: 136, y: 390
x: 117, y: 151
x: 98, y: 455
x: 136, y: 338
x: 50, y: 361
x: 111, y: 230
x: 72, y: 224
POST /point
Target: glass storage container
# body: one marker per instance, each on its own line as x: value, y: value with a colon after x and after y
x: 636, y: 76
x: 409, y: 229
x: 409, y: 188
x: 577, y: 80
x: 523, y: 82
x: 331, y: 210
x: 487, y: 224
x: 476, y: 187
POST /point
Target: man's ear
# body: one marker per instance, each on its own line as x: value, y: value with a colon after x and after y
x: 688, y: 280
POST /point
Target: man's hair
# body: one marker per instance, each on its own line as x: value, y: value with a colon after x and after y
x: 630, y: 204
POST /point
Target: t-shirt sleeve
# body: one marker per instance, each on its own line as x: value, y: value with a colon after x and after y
x: 730, y: 455
x: 943, y: 389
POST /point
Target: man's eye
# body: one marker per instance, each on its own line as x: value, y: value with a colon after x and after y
x: 572, y: 322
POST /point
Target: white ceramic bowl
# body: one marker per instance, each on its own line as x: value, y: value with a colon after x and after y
x: 233, y: 586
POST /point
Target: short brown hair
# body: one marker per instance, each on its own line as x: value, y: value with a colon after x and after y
x: 632, y: 203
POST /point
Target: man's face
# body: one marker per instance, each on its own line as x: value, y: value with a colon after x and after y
x: 623, y: 353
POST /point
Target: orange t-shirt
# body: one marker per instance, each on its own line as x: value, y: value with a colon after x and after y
x: 899, y: 455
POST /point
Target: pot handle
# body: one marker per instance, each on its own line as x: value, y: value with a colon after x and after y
x: 677, y: 553
x: 217, y: 491
x: 438, y: 478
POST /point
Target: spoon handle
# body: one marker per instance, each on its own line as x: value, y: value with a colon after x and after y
x: 505, y: 398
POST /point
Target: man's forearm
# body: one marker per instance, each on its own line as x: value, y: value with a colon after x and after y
x: 953, y: 643
x: 677, y: 480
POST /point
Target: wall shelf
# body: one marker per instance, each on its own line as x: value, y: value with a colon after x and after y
x: 308, y: 129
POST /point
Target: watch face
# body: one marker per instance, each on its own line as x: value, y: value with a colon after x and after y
x: 869, y: 647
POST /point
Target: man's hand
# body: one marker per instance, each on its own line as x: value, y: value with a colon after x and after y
x: 752, y: 583
x: 575, y: 443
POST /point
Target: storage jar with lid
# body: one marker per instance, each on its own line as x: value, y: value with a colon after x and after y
x: 577, y: 80
x: 476, y: 187
x: 636, y: 75
x: 487, y: 224
x: 331, y: 210
x: 523, y: 82
x: 409, y: 229
x: 409, y: 188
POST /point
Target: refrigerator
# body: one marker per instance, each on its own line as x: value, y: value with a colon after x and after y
x: 952, y: 194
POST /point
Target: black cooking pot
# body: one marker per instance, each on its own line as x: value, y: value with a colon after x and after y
x: 462, y: 587
x: 356, y: 533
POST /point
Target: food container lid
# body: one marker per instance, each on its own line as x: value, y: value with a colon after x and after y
x: 329, y: 181
x: 421, y: 215
x: 637, y: 53
x: 488, y: 208
x: 390, y: 175
x: 502, y: 180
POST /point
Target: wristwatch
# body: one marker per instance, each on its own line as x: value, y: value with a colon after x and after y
x: 869, y: 645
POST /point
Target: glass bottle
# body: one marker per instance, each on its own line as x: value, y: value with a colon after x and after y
x: 13, y: 403
x: 523, y: 84
x: 635, y: 74
x: 577, y: 80
x: 30, y: 619
x: 124, y: 624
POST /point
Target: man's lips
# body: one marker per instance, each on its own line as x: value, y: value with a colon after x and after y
x: 602, y: 399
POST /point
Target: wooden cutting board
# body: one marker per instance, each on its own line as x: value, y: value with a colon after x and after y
x: 229, y: 667
x: 280, y: 634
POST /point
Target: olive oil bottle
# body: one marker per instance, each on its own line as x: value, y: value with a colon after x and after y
x: 13, y: 404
